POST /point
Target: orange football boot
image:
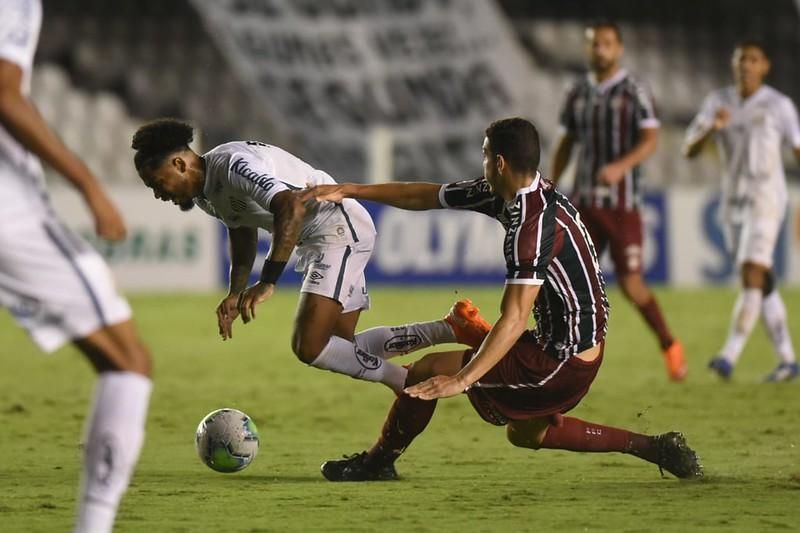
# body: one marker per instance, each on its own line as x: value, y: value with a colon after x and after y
x: 467, y: 323
x: 676, y: 362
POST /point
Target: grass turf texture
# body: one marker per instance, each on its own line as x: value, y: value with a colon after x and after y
x: 460, y: 475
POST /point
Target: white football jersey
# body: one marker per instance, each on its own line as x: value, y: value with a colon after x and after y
x: 21, y: 175
x: 243, y: 177
x: 751, y: 146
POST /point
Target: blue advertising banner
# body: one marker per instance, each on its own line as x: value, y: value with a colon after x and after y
x: 439, y: 246
x: 453, y: 247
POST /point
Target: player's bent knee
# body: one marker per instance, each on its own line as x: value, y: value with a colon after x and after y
x: 423, y: 369
x: 135, y: 356
x: 109, y: 351
x: 755, y: 276
x: 526, y: 434
x: 305, y: 349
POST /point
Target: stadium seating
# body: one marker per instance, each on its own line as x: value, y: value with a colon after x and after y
x: 104, y: 67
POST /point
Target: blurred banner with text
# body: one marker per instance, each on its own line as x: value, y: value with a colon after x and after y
x: 434, y: 72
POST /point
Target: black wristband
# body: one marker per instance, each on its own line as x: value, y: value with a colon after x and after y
x: 271, y: 271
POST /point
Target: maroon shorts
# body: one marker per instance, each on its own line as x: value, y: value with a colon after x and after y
x: 621, y: 231
x: 528, y: 383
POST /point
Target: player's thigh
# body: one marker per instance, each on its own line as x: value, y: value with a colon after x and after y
x: 337, y: 273
x: 56, y: 286
x: 527, y: 433
x: 116, y: 347
x: 316, y: 319
x: 593, y: 222
x: 435, y: 364
x: 345, y: 327
x: 625, y: 242
x: 756, y: 249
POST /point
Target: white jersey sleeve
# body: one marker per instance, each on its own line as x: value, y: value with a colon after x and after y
x: 19, y: 31
x: 253, y: 176
x: 703, y: 120
x: 790, y: 125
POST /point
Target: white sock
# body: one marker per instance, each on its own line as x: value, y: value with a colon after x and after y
x: 114, y: 437
x: 388, y: 342
x: 774, y: 316
x: 745, y: 315
x: 344, y: 357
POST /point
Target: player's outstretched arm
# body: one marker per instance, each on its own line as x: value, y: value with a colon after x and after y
x: 24, y: 123
x: 288, y: 211
x: 403, y: 195
x: 243, y: 248
x: 515, y: 311
x: 699, y: 134
x: 614, y: 171
x: 561, y: 156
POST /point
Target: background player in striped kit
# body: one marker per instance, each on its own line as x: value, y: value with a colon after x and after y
x: 612, y: 116
x: 751, y: 122
x: 524, y: 380
x: 56, y: 286
x: 249, y: 185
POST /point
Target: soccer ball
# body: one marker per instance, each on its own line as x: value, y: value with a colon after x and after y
x: 226, y: 440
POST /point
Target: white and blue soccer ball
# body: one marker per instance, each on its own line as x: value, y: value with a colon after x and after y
x: 227, y: 440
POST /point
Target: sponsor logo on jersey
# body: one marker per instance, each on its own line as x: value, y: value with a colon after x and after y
x: 265, y: 181
x: 314, y: 277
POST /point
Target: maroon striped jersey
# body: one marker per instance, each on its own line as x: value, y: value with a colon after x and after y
x: 545, y: 244
x: 606, y: 119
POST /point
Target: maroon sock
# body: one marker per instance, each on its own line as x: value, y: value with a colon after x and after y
x: 580, y: 436
x: 407, y: 418
x: 651, y: 313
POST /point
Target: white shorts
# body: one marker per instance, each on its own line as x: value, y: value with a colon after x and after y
x: 333, y: 265
x: 337, y: 272
x: 754, y: 239
x: 55, y: 285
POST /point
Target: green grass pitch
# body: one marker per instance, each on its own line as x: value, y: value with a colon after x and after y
x: 460, y: 475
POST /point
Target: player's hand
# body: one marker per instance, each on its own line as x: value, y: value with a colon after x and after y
x: 108, y: 223
x: 227, y: 311
x: 324, y: 193
x: 611, y: 173
x: 437, y: 387
x: 251, y: 297
x: 721, y: 118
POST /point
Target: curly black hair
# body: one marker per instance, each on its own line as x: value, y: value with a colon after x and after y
x: 159, y: 138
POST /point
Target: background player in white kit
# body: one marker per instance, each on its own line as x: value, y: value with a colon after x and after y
x: 56, y: 286
x: 751, y: 122
x: 250, y: 185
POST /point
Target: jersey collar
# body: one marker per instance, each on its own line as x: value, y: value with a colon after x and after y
x: 607, y: 84
x: 755, y: 97
x: 532, y: 187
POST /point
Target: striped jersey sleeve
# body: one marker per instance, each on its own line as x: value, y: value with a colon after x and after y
x: 645, y: 107
x: 567, y: 121
x: 472, y: 195
x: 530, y: 238
x: 250, y: 175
